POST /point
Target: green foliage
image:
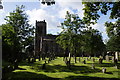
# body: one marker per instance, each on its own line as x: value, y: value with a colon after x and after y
x: 92, y: 10
x: 77, y: 38
x: 93, y: 43
x: 113, y: 31
x: 92, y: 14
x: 17, y: 33
x: 72, y: 28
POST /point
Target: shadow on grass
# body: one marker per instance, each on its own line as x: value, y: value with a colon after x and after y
x: 34, y: 76
x: 26, y: 76
x: 74, y: 69
x: 87, y: 78
x: 104, y: 64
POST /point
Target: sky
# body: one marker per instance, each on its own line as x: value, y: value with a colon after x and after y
x: 54, y: 15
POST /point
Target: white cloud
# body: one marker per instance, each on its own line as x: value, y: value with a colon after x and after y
x: 102, y: 29
x: 73, y: 6
x: 2, y: 16
x: 54, y: 14
x: 62, y: 13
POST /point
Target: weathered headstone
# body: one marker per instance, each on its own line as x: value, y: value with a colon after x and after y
x: 104, y: 70
x: 79, y: 59
x: 89, y: 57
x: 16, y: 64
x: 100, y: 60
x: 28, y: 59
x: 39, y: 58
x: 113, y: 59
x: 84, y: 62
x: 101, y: 57
x: 86, y: 58
x: 32, y: 60
x: 93, y: 59
x: 116, y: 61
x: 117, y: 55
x: 68, y: 64
x: 93, y: 66
x: 107, y: 58
x: 44, y: 66
x: 116, y: 66
x: 82, y: 56
x: 7, y: 69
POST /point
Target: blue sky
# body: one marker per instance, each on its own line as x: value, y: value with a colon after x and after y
x: 53, y: 15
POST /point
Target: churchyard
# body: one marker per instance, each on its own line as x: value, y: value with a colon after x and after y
x: 57, y: 70
x: 33, y: 50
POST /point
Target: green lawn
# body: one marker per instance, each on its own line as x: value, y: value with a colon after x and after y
x: 57, y: 69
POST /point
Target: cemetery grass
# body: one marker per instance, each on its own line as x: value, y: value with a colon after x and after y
x: 57, y: 70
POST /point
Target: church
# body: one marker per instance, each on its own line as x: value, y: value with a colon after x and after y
x: 45, y: 44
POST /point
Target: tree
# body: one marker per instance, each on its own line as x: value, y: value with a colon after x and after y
x: 77, y: 38
x: 68, y: 38
x: 92, y: 10
x: 7, y: 41
x: 17, y: 33
x: 113, y: 31
x: 93, y: 43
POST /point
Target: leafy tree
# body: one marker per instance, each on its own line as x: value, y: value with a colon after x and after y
x: 92, y: 10
x: 7, y: 41
x: 113, y: 31
x: 69, y: 37
x: 17, y: 33
x: 92, y: 14
x: 93, y: 43
x: 76, y: 38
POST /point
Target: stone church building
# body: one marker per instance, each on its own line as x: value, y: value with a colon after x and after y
x: 45, y: 44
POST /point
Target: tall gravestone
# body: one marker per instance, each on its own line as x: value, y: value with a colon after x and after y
x: 107, y: 58
x: 117, y: 55
x: 113, y: 59
x: 93, y: 59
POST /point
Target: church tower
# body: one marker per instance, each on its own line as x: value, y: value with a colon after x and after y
x: 39, y: 33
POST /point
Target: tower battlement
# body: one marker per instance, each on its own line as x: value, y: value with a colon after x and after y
x: 40, y: 21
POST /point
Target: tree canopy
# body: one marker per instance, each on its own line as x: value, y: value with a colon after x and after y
x: 78, y: 38
x: 17, y: 34
x: 92, y: 10
x: 92, y: 14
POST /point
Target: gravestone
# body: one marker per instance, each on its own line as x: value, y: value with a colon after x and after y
x: 68, y: 64
x: 86, y: 58
x: 116, y: 61
x: 82, y: 56
x: 104, y: 70
x: 28, y: 59
x: 49, y: 60
x: 93, y: 59
x: 39, y: 58
x: 117, y: 55
x: 32, y: 60
x: 79, y: 59
x: 16, y: 64
x: 101, y: 57
x: 89, y: 57
x: 116, y: 67
x: 93, y: 66
x: 44, y: 66
x: 113, y: 59
x: 100, y: 60
x: 107, y: 58
x: 7, y: 69
x: 84, y: 62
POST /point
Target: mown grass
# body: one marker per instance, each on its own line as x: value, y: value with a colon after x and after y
x: 57, y: 69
